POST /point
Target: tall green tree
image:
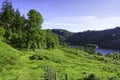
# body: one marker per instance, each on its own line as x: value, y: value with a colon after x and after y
x: 35, y: 21
x: 51, y: 40
x: 18, y: 28
x: 7, y: 18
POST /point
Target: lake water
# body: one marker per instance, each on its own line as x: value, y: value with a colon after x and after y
x: 107, y: 51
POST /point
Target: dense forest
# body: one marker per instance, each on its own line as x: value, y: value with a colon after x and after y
x: 22, y: 32
x: 109, y: 38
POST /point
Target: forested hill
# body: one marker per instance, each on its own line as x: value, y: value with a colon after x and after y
x: 63, y: 35
x: 109, y: 38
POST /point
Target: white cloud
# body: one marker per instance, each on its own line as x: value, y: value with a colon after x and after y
x: 82, y: 23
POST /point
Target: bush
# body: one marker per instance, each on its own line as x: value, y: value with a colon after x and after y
x: 91, y: 77
x: 37, y: 57
x: 2, y: 31
x: 113, y: 78
x: 89, y: 48
x: 100, y: 54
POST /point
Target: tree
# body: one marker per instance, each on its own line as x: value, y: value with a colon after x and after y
x: 91, y: 48
x: 7, y: 18
x: 34, y: 28
x: 51, y: 40
x: 18, y: 29
x: 34, y: 19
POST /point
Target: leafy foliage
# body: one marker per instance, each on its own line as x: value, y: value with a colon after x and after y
x: 63, y: 35
x: 89, y: 48
x: 7, y: 18
x: 51, y: 40
x: 25, y: 33
x: 2, y: 31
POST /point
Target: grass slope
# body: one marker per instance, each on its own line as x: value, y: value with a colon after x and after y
x: 22, y: 65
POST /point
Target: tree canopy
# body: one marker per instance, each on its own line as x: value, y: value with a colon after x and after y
x: 25, y: 33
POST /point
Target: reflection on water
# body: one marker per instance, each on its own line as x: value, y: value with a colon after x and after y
x: 107, y: 51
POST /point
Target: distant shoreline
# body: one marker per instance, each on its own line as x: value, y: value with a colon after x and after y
x: 107, y: 51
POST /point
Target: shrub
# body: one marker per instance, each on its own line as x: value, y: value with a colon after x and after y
x: 91, y: 77
x: 37, y: 57
x: 2, y: 31
x: 113, y: 78
x: 89, y: 48
x: 100, y: 54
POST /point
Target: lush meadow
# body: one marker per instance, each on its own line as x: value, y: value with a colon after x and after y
x: 77, y: 64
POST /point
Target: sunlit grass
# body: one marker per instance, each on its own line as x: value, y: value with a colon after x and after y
x: 77, y: 64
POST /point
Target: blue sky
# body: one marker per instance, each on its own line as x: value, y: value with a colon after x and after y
x: 74, y: 15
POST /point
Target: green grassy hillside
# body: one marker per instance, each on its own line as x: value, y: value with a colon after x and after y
x: 8, y: 55
x: 23, y: 65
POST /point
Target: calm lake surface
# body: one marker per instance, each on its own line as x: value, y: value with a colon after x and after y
x: 107, y: 51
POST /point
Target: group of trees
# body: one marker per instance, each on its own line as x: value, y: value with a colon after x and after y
x: 63, y: 36
x: 24, y: 33
x: 89, y: 48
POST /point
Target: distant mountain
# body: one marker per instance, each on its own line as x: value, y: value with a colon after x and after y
x: 109, y: 38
